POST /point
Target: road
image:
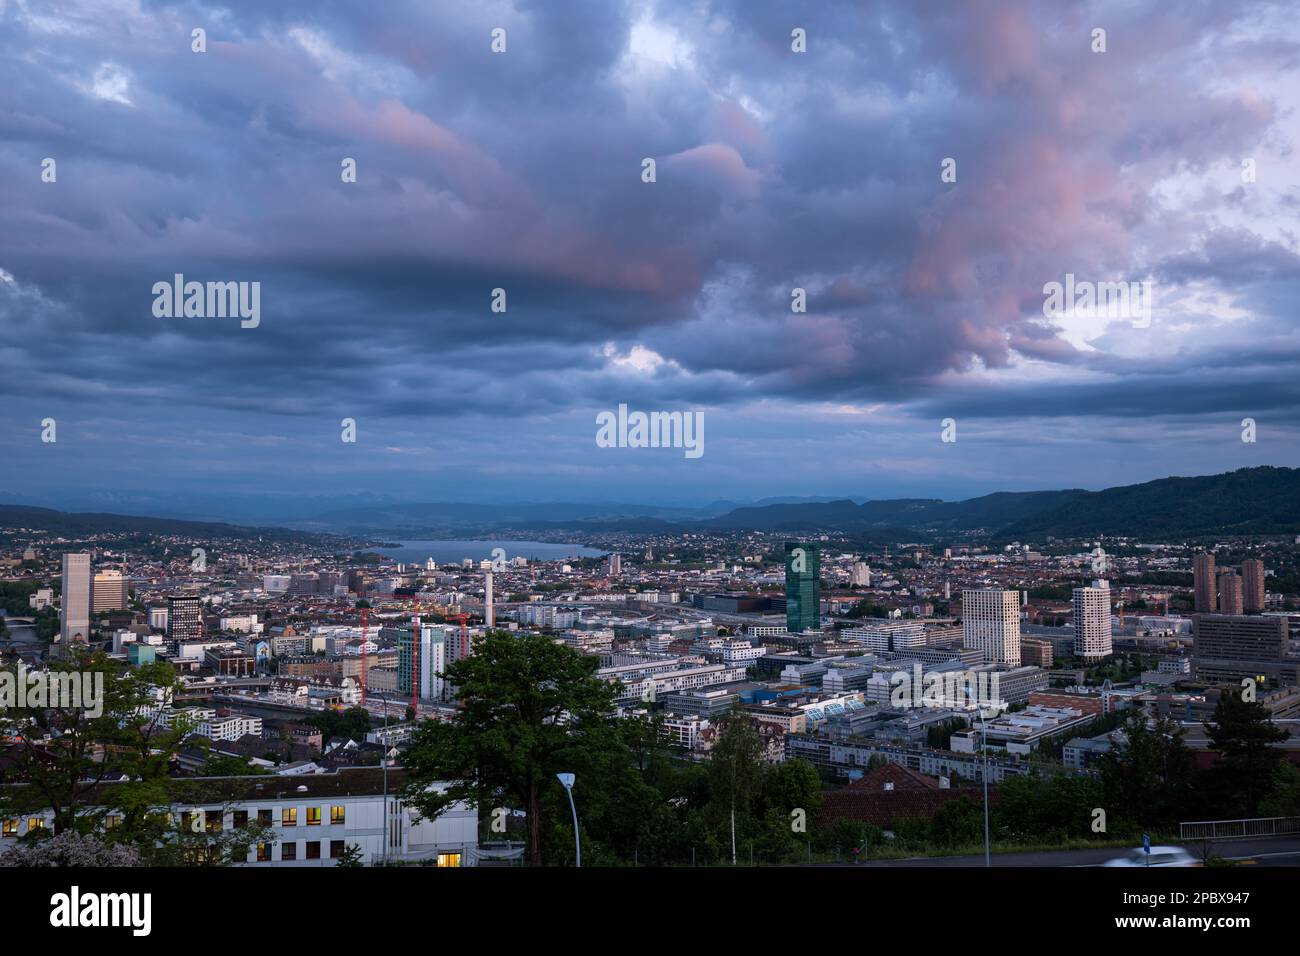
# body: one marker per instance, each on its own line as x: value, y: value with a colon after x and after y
x: 1281, y: 852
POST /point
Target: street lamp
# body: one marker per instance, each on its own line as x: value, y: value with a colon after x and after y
x: 984, y: 742
x: 567, y: 780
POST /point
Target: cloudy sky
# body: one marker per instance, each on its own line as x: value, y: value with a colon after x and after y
x: 522, y: 170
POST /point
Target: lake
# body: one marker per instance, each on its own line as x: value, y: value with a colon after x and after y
x: 453, y: 552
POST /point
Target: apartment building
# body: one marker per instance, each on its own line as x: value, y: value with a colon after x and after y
x: 312, y: 818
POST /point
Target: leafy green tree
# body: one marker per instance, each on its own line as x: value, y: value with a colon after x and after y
x: 1147, y: 775
x: 1045, y: 808
x: 1283, y: 797
x: 529, y: 709
x: 350, y: 857
x: 1242, y: 734
x: 958, y: 822
x: 735, y: 771
x: 68, y: 752
x: 225, y: 765
x: 351, y: 724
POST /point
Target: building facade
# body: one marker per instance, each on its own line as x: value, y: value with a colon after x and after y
x: 74, y: 612
x: 990, y: 623
x: 1092, y: 634
x: 802, y: 587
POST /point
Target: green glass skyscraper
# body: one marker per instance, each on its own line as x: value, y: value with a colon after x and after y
x: 803, y: 564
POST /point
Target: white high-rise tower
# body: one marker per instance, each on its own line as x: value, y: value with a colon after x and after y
x: 990, y: 622
x: 74, y: 615
x: 1092, y: 639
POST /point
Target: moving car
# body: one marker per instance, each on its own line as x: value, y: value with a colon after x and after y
x: 1160, y: 856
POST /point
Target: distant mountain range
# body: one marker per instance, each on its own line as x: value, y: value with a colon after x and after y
x: 78, y: 524
x: 1264, y: 500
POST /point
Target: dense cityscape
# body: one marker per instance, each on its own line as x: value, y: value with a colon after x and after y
x: 869, y: 694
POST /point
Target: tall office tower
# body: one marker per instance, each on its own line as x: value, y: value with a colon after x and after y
x: 1092, y: 621
x: 1230, y: 598
x: 109, y: 591
x: 1252, y: 586
x: 990, y: 622
x: 803, y: 567
x: 861, y: 574
x: 184, y: 617
x: 431, y: 662
x: 1231, y: 648
x: 74, y: 613
x: 615, y: 565
x: 1204, y: 583
x: 489, y: 612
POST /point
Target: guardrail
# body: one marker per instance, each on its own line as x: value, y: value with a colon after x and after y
x: 1245, y: 829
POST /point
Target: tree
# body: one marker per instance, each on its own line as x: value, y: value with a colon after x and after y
x: 529, y: 709
x: 350, y: 857
x: 113, y: 759
x: 70, y: 848
x: 351, y: 724
x: 67, y: 752
x: 1242, y: 734
x: 736, y: 768
x: 1147, y: 774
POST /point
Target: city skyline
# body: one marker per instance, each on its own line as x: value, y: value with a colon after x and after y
x: 1165, y: 159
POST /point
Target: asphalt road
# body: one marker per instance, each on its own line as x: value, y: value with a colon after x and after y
x: 1280, y: 852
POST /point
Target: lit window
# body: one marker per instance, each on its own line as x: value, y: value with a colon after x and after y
x: 338, y: 815
x: 449, y: 859
x: 35, y: 823
x: 11, y: 828
x: 263, y: 852
x: 112, y: 821
x: 313, y: 816
x: 289, y: 817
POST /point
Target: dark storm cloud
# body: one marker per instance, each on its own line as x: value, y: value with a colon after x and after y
x: 522, y: 171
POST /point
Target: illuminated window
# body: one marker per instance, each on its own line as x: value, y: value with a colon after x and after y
x: 112, y: 821
x: 263, y: 852
x: 313, y: 816
x: 449, y: 859
x: 11, y: 828
x: 289, y: 817
x: 338, y: 815
x: 213, y: 821
x: 35, y: 823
